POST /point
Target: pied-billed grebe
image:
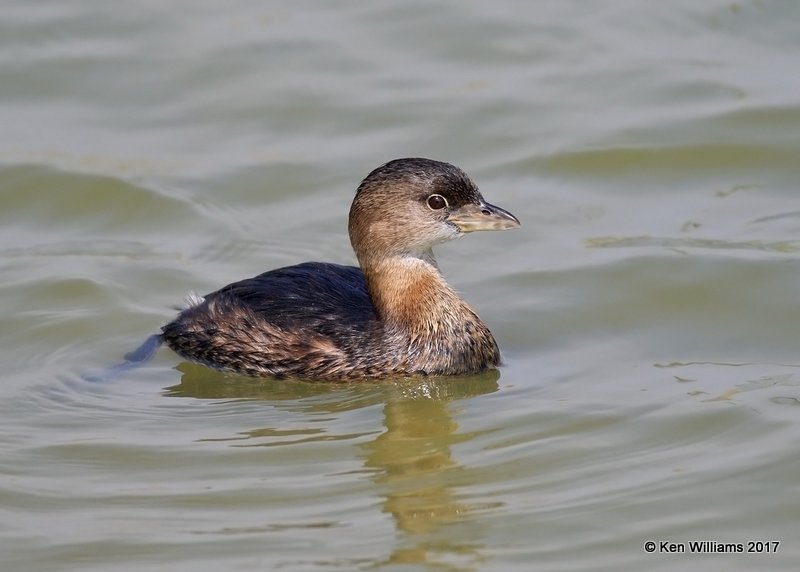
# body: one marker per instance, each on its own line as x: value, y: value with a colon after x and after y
x: 395, y: 316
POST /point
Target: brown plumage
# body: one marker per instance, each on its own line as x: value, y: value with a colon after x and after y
x: 395, y: 316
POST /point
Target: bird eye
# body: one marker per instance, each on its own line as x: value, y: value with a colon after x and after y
x: 437, y: 202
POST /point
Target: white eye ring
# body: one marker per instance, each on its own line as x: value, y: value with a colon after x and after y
x: 436, y: 202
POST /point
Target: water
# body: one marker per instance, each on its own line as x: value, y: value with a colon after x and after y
x: 646, y: 309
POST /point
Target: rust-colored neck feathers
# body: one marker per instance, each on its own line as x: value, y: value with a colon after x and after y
x: 434, y: 330
x: 410, y: 292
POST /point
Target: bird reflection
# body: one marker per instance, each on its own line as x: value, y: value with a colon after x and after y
x: 411, y: 463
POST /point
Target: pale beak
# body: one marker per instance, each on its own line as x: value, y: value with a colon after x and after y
x: 472, y: 217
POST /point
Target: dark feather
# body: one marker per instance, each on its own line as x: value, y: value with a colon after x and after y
x: 312, y: 296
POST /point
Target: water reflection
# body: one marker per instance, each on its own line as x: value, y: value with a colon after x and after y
x: 415, y: 468
x: 677, y: 243
x: 411, y: 463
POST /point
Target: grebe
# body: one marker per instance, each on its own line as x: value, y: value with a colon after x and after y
x: 393, y: 316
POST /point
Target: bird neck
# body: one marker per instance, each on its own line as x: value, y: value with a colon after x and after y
x: 411, y: 293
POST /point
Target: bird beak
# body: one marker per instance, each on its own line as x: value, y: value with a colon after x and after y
x: 472, y: 217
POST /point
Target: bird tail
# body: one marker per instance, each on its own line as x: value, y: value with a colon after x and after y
x: 144, y: 352
x: 133, y: 359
